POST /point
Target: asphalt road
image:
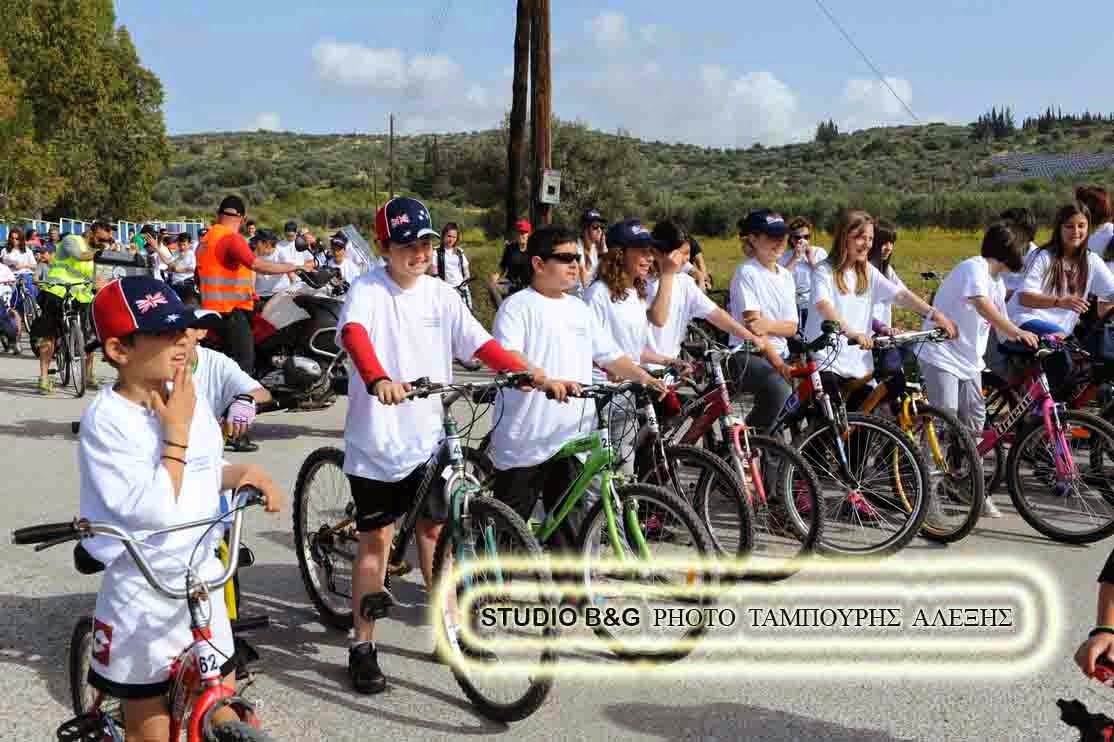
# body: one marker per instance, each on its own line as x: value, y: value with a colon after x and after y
x: 303, y: 690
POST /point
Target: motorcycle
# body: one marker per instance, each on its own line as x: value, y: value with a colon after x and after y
x: 297, y: 358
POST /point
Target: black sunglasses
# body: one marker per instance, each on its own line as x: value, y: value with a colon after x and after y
x: 565, y: 257
x: 798, y: 237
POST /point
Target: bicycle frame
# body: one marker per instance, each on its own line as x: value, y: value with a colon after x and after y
x: 1038, y: 394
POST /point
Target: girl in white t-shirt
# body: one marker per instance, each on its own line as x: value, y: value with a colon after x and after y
x: 1097, y: 201
x: 881, y: 257
x: 591, y: 248
x: 21, y: 260
x: 800, y: 260
x: 845, y: 288
x: 1060, y: 277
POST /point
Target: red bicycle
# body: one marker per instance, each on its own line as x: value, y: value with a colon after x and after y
x: 781, y: 490
x: 196, y: 691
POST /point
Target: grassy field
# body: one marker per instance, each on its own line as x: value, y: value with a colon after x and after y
x: 917, y: 251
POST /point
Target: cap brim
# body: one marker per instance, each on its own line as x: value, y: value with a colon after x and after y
x: 197, y: 319
x: 775, y: 231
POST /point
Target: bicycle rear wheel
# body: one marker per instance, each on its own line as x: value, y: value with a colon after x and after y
x: 325, y: 537
x: 1076, y: 507
x: 877, y: 507
x: 955, y: 474
x: 671, y: 530
x: 494, y: 531
x: 77, y: 356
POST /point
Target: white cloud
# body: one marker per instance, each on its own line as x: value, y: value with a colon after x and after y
x: 379, y: 70
x: 870, y: 103
x: 268, y: 121
x: 609, y: 30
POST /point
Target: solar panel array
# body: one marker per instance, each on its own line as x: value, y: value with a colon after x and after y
x: 1023, y: 167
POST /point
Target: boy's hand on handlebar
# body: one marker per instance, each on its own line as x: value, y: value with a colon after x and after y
x: 1028, y: 338
x: 389, y: 392
x: 1076, y: 304
x: 948, y: 326
x: 682, y: 367
x: 784, y: 371
x: 658, y: 385
x: 537, y: 377
x: 861, y: 339
x: 560, y: 390
x: 254, y: 476
x: 1089, y: 652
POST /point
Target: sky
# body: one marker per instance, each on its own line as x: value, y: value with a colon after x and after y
x: 708, y: 72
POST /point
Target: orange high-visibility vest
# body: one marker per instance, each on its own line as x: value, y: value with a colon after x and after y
x: 222, y: 290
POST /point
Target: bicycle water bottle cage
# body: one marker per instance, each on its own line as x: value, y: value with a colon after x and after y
x: 375, y: 606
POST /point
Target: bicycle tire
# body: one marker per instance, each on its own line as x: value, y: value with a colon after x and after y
x: 77, y: 357
x: 969, y: 492
x: 29, y: 310
x: 62, y: 356
x: 790, y: 474
x: 337, y: 615
x: 488, y: 509
x: 714, y: 469
x: 78, y: 657
x: 235, y: 731
x: 998, y: 401
x: 917, y: 476
x: 1018, y: 494
x: 690, y: 521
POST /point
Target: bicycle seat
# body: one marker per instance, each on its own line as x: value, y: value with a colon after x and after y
x: 84, y: 562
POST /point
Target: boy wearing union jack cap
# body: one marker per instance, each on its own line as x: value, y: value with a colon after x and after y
x: 151, y: 459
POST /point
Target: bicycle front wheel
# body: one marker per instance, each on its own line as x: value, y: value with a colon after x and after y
x: 62, y: 357
x: 670, y: 529
x: 874, y: 484
x: 325, y: 537
x: 493, y: 531
x: 1073, y: 506
x: 955, y: 474
x: 77, y: 357
x: 83, y: 695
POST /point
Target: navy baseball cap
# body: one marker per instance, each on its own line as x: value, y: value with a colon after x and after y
x: 765, y: 221
x: 340, y: 239
x: 630, y: 233
x: 145, y: 305
x: 263, y: 235
x: 403, y: 220
x: 592, y: 216
x: 290, y: 227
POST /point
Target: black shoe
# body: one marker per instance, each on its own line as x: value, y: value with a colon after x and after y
x: 363, y: 670
x: 241, y: 445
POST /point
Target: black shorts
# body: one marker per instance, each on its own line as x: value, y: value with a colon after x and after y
x: 520, y: 488
x: 49, y: 322
x: 135, y: 692
x: 379, y: 504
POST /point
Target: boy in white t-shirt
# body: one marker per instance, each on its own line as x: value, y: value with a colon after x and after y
x: 416, y: 324
x: 974, y: 297
x: 151, y: 459
x: 558, y: 332
x: 349, y: 271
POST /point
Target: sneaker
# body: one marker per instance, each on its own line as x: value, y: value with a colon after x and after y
x: 46, y: 386
x: 241, y: 445
x: 363, y: 669
x: 990, y: 510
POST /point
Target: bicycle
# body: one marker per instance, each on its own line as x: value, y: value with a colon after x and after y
x: 25, y: 304
x: 69, y: 346
x: 955, y: 465
x: 780, y: 494
x: 1043, y: 432
x: 620, y: 522
x: 877, y: 478
x: 196, y: 690
x: 327, y: 538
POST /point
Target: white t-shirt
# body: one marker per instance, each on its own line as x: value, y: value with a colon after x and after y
x: 267, y: 284
x: 884, y: 313
x: 850, y: 362
x: 963, y: 357
x: 457, y: 267
x: 415, y: 332
x: 123, y: 482
x: 1012, y: 281
x: 349, y: 271
x: 625, y: 321
x: 754, y: 288
x: 563, y: 337
x: 686, y: 303
x: 186, y: 258
x: 589, y: 259
x: 1100, y: 282
x: 20, y: 262
x: 802, y: 274
x: 220, y: 379
x: 1098, y: 241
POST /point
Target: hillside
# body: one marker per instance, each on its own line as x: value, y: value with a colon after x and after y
x: 936, y: 174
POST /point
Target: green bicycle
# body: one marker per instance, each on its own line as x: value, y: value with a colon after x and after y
x: 629, y: 521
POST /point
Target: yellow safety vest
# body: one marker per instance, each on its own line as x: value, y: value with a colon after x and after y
x: 70, y: 270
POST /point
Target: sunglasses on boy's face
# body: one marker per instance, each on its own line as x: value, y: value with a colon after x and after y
x: 565, y: 257
x: 794, y: 238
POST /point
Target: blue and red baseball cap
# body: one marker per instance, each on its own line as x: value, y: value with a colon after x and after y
x: 765, y: 221
x: 403, y: 220
x: 145, y: 305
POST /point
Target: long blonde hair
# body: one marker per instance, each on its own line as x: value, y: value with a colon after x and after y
x: 847, y: 223
x: 612, y: 273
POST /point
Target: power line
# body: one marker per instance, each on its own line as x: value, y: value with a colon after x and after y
x: 866, y: 59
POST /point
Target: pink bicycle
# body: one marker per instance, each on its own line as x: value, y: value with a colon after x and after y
x: 1061, y: 463
x: 196, y: 691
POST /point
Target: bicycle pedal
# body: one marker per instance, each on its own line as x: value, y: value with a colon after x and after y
x: 375, y: 606
x: 91, y: 727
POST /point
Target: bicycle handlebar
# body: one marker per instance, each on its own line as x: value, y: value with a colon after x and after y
x: 52, y: 534
x: 885, y: 342
x: 423, y: 387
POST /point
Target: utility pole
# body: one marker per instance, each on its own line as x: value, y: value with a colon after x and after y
x: 391, y: 161
x: 540, y: 107
x: 374, y: 180
x: 516, y: 141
